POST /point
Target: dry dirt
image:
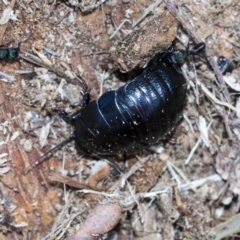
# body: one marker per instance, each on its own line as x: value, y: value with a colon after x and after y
x: 188, y: 188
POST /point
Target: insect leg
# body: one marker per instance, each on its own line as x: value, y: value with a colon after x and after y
x: 197, y: 49
x: 115, y: 165
x: 86, y: 99
x: 47, y: 154
x: 63, y: 114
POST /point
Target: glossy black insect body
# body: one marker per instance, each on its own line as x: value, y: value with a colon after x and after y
x: 139, y: 113
x: 9, y: 53
x: 136, y: 115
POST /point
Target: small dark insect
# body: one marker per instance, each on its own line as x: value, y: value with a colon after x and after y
x: 225, y: 65
x: 136, y: 115
x: 180, y: 57
x: 9, y: 53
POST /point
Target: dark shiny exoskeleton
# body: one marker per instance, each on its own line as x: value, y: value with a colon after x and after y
x: 225, y: 65
x: 9, y: 53
x: 136, y: 115
x: 139, y: 113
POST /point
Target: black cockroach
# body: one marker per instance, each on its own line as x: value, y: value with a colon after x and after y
x: 136, y: 115
x: 9, y: 53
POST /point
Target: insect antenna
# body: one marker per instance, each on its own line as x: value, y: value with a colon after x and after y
x: 47, y: 154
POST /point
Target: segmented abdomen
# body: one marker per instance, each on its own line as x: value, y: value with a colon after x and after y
x: 136, y: 115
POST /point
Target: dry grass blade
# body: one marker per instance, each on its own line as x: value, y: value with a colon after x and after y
x: 212, y: 62
x: 37, y: 61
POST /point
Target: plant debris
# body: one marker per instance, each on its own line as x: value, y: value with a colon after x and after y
x: 186, y: 188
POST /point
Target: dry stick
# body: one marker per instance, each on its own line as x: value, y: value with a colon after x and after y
x: 222, y: 88
x: 4, y: 27
x: 69, y: 181
x: 63, y: 17
x: 63, y: 226
x: 37, y: 61
x: 192, y: 33
x: 99, y: 52
x: 226, y: 121
x: 212, y: 62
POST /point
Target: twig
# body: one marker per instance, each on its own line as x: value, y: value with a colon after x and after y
x: 224, y: 115
x: 63, y: 226
x: 148, y: 10
x: 97, y: 53
x: 119, y: 27
x: 219, y: 76
x: 226, y: 122
x: 193, y: 34
x: 200, y: 139
x: 37, y: 61
x: 210, y: 59
x: 63, y: 17
x: 6, y: 78
x: 182, y: 174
